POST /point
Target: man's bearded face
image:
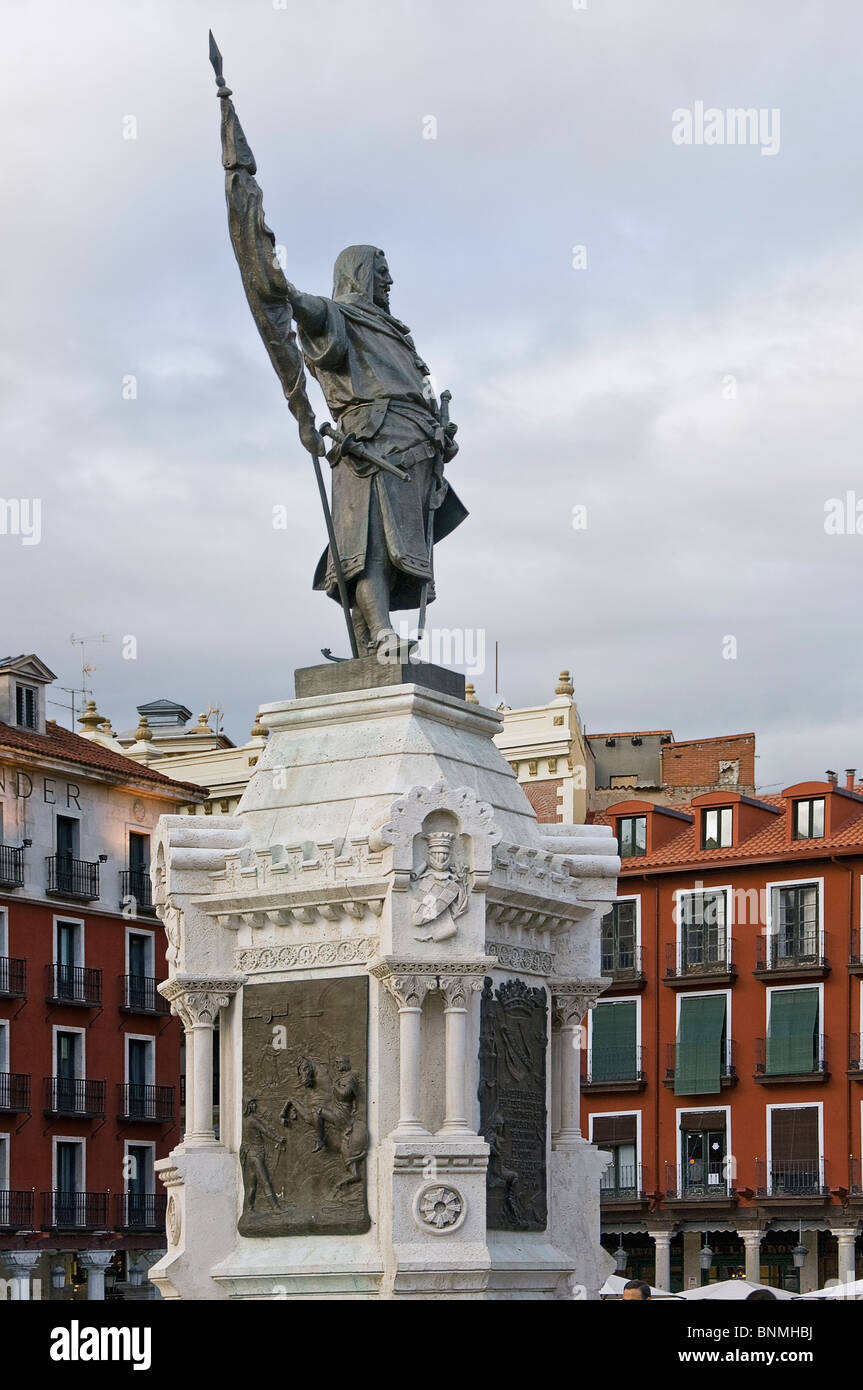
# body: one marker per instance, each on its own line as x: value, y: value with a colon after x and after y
x: 383, y: 280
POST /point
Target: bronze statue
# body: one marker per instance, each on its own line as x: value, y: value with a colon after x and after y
x: 334, y: 1118
x: 253, y: 1155
x: 390, y: 500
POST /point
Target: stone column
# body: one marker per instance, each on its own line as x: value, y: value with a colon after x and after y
x: 662, y: 1243
x: 96, y: 1262
x: 846, y: 1240
x: 570, y: 1002
x: 409, y: 992
x: 456, y: 991
x: 21, y: 1263
x: 752, y: 1248
x: 197, y: 1003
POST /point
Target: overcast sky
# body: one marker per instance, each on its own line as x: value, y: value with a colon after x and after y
x: 607, y: 386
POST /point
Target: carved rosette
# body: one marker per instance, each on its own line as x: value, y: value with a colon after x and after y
x: 196, y: 1001
x: 439, y: 1209
x: 571, y: 1000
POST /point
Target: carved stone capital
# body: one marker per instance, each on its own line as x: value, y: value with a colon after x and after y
x: 457, y: 989
x: 197, y: 1000
x: 571, y: 1000
x: 409, y: 981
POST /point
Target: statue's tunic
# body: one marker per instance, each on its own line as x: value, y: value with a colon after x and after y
x: 376, y: 387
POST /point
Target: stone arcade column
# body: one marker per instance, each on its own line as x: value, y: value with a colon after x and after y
x: 409, y: 992
x: 456, y: 991
x: 197, y: 1003
x: 662, y: 1258
x: 22, y: 1263
x: 570, y: 1002
x: 846, y: 1240
x: 96, y: 1262
x: 752, y: 1248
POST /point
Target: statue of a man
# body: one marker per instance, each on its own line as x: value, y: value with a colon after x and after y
x: 377, y: 388
x: 376, y: 385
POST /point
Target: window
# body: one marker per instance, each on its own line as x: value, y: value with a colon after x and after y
x: 68, y: 832
x: 793, y: 1042
x: 140, y: 1185
x: 617, y: 1135
x: 619, y: 928
x: 716, y: 828
x: 4, y: 1052
x: 140, y: 1065
x: 703, y: 1169
x: 613, y: 1033
x: 26, y: 707
x: 703, y: 940
x: 68, y: 959
x: 69, y: 1207
x: 701, y: 1049
x: 809, y: 819
x: 795, y: 1148
x: 796, y: 934
x: 632, y: 836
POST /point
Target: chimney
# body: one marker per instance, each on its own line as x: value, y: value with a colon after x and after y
x: 850, y: 775
x: 831, y: 776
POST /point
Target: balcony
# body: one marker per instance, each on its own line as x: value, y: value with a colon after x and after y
x: 855, y: 1191
x: 817, y: 1071
x: 622, y: 966
x: 855, y: 1057
x: 135, y: 884
x: 792, y: 956
x: 75, y: 1211
x: 139, y: 1211
x: 855, y: 958
x: 83, y: 1100
x: 13, y: 978
x: 73, y: 984
x: 700, y: 1184
x: 727, y: 1068
x: 16, y: 1210
x: 147, y: 1103
x: 625, y: 1187
x: 72, y: 878
x: 791, y: 1180
x: 14, y: 1092
x: 700, y: 963
x: 141, y: 995
x: 11, y: 866
x: 615, y: 1069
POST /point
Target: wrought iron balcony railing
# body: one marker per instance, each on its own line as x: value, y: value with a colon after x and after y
x: 139, y: 1211
x: 624, y: 1183
x: 14, y: 1091
x: 620, y: 962
x: 770, y: 1062
x: 72, y: 1096
x: 791, y: 1177
x: 138, y: 1102
x: 614, y: 1064
x: 855, y: 958
x: 72, y: 878
x: 136, y: 884
x: 795, y: 950
x: 67, y: 1211
x: 11, y: 866
x: 73, y: 984
x: 16, y: 1210
x: 698, y: 1181
x: 693, y: 956
x: 13, y: 978
x: 141, y: 995
x: 855, y: 1052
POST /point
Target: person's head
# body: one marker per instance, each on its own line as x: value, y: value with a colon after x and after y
x: 636, y: 1289
x: 760, y: 1296
x: 251, y: 1106
x: 382, y: 281
x: 344, y: 1064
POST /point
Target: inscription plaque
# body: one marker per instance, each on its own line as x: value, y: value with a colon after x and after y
x: 305, y: 1138
x: 512, y: 1053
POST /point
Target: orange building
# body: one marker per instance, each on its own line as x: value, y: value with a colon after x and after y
x: 722, y: 1067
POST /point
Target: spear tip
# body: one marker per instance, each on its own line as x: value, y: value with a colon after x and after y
x: 215, y: 58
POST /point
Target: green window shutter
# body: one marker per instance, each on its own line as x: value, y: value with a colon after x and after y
x: 612, y: 1048
x: 698, y: 1055
x: 791, y: 1033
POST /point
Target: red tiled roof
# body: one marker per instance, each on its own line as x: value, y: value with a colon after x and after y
x: 770, y: 841
x: 58, y: 742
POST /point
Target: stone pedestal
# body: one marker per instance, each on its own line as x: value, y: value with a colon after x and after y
x: 400, y: 958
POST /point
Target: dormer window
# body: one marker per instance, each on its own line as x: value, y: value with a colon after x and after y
x: 809, y: 819
x: 716, y: 827
x: 26, y: 707
x: 632, y: 836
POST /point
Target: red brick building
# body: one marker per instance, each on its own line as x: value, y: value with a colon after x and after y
x: 89, y: 1054
x: 722, y: 1067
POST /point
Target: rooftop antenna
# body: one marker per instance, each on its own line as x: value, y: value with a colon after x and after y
x: 218, y: 712
x: 61, y: 704
x: 86, y: 670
